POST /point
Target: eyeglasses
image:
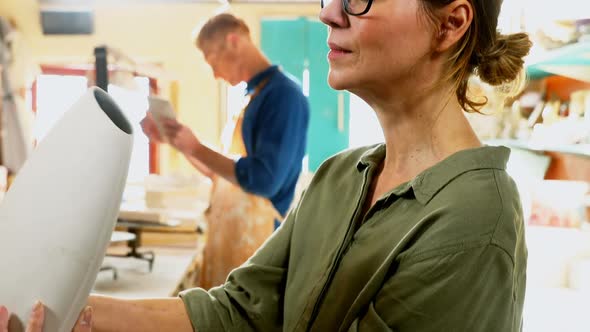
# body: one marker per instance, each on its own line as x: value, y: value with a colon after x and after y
x: 352, y: 7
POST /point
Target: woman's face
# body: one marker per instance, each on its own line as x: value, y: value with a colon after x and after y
x: 391, y: 44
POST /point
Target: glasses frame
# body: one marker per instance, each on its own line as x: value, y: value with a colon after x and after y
x: 347, y: 10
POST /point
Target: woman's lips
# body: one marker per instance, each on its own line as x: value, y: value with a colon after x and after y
x: 337, y: 52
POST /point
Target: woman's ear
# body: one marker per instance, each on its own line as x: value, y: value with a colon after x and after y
x: 454, y: 21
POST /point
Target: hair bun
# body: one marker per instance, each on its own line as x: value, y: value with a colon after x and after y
x: 503, y: 61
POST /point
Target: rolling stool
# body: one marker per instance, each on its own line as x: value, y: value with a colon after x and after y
x: 117, y: 237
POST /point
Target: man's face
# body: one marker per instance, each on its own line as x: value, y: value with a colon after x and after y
x: 223, y: 63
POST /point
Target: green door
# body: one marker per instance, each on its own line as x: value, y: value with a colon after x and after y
x: 299, y: 46
x: 283, y: 43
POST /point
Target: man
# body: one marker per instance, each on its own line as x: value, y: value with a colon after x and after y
x: 252, y: 193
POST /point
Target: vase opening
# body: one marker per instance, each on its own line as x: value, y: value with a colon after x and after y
x: 112, y: 110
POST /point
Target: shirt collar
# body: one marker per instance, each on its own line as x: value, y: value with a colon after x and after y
x: 428, y: 183
x: 254, y: 81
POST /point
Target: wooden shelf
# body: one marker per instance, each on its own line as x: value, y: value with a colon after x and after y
x: 582, y: 150
x: 571, y: 162
x: 571, y: 61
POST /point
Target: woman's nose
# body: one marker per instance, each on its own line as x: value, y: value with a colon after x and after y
x: 333, y: 14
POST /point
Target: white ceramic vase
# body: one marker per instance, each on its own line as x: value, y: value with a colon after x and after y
x: 57, y: 217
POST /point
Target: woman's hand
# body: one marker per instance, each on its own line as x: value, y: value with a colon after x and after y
x: 35, y: 320
x: 35, y: 324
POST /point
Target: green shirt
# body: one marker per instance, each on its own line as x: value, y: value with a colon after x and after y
x: 442, y: 252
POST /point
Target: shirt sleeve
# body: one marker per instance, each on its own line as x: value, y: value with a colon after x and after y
x: 468, y: 290
x: 252, y: 297
x: 281, y: 130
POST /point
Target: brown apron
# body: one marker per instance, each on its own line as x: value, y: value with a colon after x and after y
x: 238, y: 222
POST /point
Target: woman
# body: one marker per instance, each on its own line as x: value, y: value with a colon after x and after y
x: 423, y: 233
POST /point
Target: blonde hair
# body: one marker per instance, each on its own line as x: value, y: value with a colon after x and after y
x: 218, y: 26
x: 496, y: 58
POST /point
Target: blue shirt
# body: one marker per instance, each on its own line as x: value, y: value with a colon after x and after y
x: 275, y: 135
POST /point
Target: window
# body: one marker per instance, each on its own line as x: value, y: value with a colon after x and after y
x: 364, y: 126
x: 235, y: 100
x: 57, y: 93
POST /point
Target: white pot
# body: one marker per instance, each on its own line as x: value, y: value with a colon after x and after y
x: 57, y: 217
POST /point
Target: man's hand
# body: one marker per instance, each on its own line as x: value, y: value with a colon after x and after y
x: 181, y: 137
x: 35, y: 324
x: 148, y: 125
